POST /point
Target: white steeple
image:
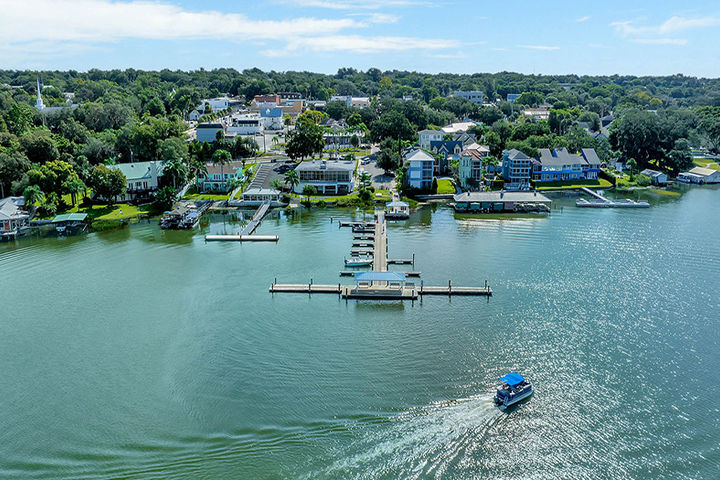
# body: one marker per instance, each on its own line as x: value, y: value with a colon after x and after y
x: 39, y: 103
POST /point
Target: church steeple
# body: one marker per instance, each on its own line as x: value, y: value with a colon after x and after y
x: 39, y: 103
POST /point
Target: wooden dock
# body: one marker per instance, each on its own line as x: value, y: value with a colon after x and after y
x: 256, y: 219
x: 350, y: 273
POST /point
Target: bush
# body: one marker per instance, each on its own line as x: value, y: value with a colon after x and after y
x: 642, y: 180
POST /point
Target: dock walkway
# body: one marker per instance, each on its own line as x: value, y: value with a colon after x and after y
x: 256, y: 219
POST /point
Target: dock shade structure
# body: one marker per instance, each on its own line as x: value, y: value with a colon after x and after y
x: 70, y: 217
x: 512, y: 379
x: 392, y: 278
x: 501, y: 201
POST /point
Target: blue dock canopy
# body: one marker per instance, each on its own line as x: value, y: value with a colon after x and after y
x: 512, y: 379
x: 379, y: 277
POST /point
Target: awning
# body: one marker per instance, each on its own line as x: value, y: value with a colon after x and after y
x: 512, y: 379
x: 379, y: 277
x: 70, y: 217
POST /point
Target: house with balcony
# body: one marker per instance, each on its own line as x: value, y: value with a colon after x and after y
x: 516, y: 168
x: 328, y: 177
x: 13, y: 220
x: 474, y: 96
x: 219, y: 178
x: 421, y: 168
x: 473, y: 164
x: 444, y: 151
x: 143, y: 178
x: 246, y: 124
x: 561, y: 165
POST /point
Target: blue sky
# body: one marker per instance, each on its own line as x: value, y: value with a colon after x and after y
x: 463, y: 36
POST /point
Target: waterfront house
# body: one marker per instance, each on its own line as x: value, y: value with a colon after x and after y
x: 13, y: 220
x: 516, y: 167
x: 143, y: 178
x: 474, y: 96
x: 656, y: 178
x: 472, y: 165
x: 593, y: 164
x: 426, y: 136
x: 708, y: 175
x: 219, y: 178
x: 421, y: 166
x: 207, y: 132
x: 560, y: 165
x: 328, y: 177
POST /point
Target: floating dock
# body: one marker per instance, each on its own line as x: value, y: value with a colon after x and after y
x: 380, y: 284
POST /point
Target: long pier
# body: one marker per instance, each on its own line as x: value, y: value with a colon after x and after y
x: 256, y: 219
x: 246, y: 233
x: 379, y: 284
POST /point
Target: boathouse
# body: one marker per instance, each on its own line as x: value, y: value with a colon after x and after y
x: 501, y: 202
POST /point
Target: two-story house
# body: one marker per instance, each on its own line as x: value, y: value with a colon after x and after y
x: 328, y: 177
x: 219, y: 177
x: 428, y: 136
x: 143, y: 178
x: 472, y: 165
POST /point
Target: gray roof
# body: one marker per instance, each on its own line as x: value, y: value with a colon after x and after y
x: 560, y: 157
x: 9, y: 210
x: 528, y: 197
x: 419, y: 155
x: 516, y: 154
x: 428, y: 132
x: 314, y: 165
x: 137, y: 170
x: 261, y: 191
x: 650, y: 173
x: 591, y: 156
x: 210, y: 125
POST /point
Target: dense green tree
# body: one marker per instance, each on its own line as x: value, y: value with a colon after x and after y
x: 222, y: 158
x: 39, y: 146
x: 165, y: 198
x: 13, y: 165
x: 19, y: 118
x: 155, y: 107
x: 52, y: 177
x: 305, y: 141
x: 337, y: 110
x: 393, y: 125
x: 108, y: 183
x: 388, y: 158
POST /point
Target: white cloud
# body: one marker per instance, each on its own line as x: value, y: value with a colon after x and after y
x: 354, y: 4
x: 583, y: 19
x: 361, y: 44
x: 671, y: 25
x: 97, y: 22
x: 540, y: 47
x: 661, y: 41
x: 103, y: 20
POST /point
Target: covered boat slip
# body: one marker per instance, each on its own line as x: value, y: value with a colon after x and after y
x: 501, y: 202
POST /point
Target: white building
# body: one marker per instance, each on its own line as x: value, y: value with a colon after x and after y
x: 257, y: 196
x: 474, y: 96
x: 657, y: 178
x: 328, y: 177
x: 247, y: 124
x: 458, y: 127
x: 708, y: 175
x: 350, y: 101
x: 427, y: 136
x: 272, y: 118
x: 217, y: 104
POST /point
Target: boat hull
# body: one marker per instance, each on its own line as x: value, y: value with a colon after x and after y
x: 512, y: 400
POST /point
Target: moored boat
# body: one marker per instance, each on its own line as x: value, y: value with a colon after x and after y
x: 514, y: 389
x: 358, y: 262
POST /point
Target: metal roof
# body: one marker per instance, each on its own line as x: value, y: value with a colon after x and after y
x: 529, y: 197
x: 512, y: 379
x: 314, y: 165
x: 69, y: 217
x: 379, y: 277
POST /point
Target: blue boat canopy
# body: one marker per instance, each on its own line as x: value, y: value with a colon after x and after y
x: 512, y: 379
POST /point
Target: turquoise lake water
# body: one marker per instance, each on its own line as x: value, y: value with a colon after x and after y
x: 144, y: 354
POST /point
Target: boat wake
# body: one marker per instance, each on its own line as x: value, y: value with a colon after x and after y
x: 421, y: 442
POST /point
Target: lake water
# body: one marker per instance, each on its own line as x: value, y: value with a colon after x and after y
x: 146, y: 354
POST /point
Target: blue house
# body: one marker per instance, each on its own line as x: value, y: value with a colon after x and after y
x: 445, y: 149
x: 516, y: 168
x: 559, y: 165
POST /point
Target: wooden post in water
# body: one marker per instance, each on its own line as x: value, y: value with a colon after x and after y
x: 449, y: 287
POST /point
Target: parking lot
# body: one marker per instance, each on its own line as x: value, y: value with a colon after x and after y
x: 379, y: 178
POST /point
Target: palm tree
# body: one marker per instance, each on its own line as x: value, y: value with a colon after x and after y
x: 33, y: 195
x: 74, y: 187
x: 275, y: 140
x: 292, y: 179
x: 176, y: 169
x: 365, y: 179
x: 222, y: 158
x: 198, y: 169
x: 276, y: 184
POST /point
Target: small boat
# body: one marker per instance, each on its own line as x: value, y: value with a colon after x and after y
x: 359, y: 262
x: 513, y: 389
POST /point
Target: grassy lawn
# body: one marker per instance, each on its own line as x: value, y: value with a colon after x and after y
x: 193, y: 195
x: 599, y: 183
x: 706, y: 163
x: 445, y: 186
